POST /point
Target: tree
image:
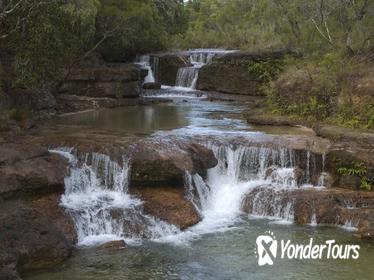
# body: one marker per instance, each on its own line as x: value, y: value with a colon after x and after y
x: 44, y: 36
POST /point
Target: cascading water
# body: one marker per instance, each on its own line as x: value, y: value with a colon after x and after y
x: 145, y: 62
x: 187, y: 76
x: 256, y: 176
x: 96, y: 197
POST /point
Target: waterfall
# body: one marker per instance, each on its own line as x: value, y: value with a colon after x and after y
x: 145, y: 62
x: 187, y: 76
x: 253, y: 179
x: 250, y: 178
x: 96, y: 197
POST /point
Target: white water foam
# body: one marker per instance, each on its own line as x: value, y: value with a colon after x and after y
x: 350, y: 225
x: 239, y: 172
x: 187, y: 76
x: 145, y: 62
x: 96, y: 197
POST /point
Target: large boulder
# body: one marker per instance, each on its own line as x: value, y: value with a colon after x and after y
x: 230, y: 73
x: 29, y: 240
x: 165, y: 163
x: 168, y: 67
x: 168, y: 204
x: 35, y: 172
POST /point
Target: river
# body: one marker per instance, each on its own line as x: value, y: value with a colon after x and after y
x: 222, y: 245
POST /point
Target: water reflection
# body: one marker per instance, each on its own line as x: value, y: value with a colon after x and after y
x: 131, y: 120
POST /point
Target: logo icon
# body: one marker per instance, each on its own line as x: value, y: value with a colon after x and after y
x: 266, y: 248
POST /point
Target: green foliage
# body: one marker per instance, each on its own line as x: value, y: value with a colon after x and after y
x: 18, y: 115
x: 137, y: 26
x: 321, y: 83
x: 45, y: 36
x: 266, y: 70
x: 357, y: 169
x: 314, y: 26
x: 351, y: 116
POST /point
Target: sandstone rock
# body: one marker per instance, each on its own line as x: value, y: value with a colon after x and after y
x: 168, y: 204
x: 333, y: 206
x: 226, y: 78
x: 75, y: 103
x: 34, y: 172
x: 345, y: 135
x: 113, y: 245
x: 230, y: 74
x: 12, y: 152
x: 29, y: 240
x: 114, y: 80
x: 151, y: 86
x: 49, y: 205
x: 165, y: 164
x: 341, y: 157
x: 34, y: 104
x: 299, y: 175
x: 169, y: 65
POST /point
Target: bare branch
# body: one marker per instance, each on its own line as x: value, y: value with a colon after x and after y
x: 322, y: 34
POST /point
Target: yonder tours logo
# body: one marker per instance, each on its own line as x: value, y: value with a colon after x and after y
x: 267, y: 247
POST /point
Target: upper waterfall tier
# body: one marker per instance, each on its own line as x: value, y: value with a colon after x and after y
x: 187, y: 76
x: 149, y: 63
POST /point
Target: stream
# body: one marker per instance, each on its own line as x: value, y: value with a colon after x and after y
x: 222, y: 245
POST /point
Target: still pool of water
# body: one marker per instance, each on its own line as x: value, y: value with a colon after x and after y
x: 222, y: 255
x: 191, y: 116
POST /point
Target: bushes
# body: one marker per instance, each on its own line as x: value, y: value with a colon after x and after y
x: 323, y: 89
x: 359, y: 170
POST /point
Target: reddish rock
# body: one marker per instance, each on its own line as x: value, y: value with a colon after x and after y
x: 165, y: 163
x: 35, y: 175
x: 29, y: 239
x: 168, y: 204
x: 49, y: 204
x: 113, y: 245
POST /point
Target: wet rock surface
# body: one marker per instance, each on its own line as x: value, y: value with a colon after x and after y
x: 29, y: 240
x: 168, y: 204
x: 113, y: 245
x: 151, y: 85
x: 29, y: 169
x: 169, y: 65
x: 165, y: 163
x: 327, y: 206
x: 350, y: 149
x: 35, y: 232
